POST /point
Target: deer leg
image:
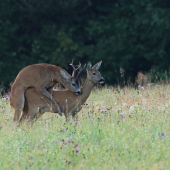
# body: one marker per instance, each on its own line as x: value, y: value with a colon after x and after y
x: 35, y: 116
x: 16, y: 115
x: 75, y: 117
x: 39, y: 114
x: 31, y: 118
x: 74, y: 113
x: 18, y: 107
x: 24, y: 114
x: 50, y: 97
x: 23, y: 117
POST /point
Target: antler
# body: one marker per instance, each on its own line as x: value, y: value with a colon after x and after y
x: 75, y: 69
x: 80, y: 70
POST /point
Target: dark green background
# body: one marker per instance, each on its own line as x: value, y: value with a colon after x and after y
x: 131, y: 34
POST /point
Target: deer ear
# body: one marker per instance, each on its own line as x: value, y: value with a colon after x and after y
x: 89, y: 65
x: 97, y: 65
x: 64, y: 74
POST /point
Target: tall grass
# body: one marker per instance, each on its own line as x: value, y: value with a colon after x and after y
x: 117, y: 129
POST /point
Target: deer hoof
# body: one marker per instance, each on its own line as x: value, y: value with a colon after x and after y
x: 60, y: 113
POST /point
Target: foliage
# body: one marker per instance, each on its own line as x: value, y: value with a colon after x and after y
x: 133, y: 35
x: 126, y: 126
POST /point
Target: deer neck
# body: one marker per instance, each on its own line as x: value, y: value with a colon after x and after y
x: 63, y: 81
x: 86, y: 90
x: 57, y: 75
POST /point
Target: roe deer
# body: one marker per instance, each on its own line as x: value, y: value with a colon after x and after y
x: 42, y: 77
x: 70, y: 103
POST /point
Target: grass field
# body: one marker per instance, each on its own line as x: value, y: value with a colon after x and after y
x: 117, y: 129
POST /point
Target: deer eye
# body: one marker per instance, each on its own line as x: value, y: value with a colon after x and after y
x: 73, y: 84
x: 94, y: 73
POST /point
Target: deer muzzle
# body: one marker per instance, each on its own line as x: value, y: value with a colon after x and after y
x: 102, y: 81
x: 78, y: 92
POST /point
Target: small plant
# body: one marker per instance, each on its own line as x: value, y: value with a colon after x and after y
x: 114, y: 131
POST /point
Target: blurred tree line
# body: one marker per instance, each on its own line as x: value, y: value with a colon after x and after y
x: 129, y: 34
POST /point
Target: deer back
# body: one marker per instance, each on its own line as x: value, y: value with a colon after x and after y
x: 45, y: 76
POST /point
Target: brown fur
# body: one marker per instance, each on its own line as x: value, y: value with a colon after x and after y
x: 141, y: 79
x: 41, y: 77
x: 69, y: 102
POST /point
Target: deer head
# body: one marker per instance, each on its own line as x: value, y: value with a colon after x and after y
x: 73, y: 84
x: 93, y: 74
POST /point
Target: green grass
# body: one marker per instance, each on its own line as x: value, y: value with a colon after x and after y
x: 116, y: 131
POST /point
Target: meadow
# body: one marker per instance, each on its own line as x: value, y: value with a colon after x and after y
x: 118, y: 128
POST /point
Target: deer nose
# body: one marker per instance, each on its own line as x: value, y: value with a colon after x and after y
x: 102, y: 81
x: 78, y: 92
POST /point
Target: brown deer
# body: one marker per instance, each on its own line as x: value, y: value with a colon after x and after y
x: 70, y: 103
x: 42, y: 77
